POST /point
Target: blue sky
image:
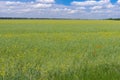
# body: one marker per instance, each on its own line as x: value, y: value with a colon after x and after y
x: 65, y: 2
x: 84, y: 9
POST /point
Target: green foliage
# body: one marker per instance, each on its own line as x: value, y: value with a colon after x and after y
x: 59, y: 50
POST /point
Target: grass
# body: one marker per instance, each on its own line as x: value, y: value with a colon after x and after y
x: 59, y: 50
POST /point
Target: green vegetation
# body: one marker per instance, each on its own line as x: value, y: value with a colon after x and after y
x: 59, y: 50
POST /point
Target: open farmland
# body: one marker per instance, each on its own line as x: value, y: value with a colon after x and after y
x: 59, y: 50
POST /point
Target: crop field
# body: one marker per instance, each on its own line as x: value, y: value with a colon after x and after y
x: 59, y: 50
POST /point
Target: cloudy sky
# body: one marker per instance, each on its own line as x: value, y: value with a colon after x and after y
x: 83, y: 9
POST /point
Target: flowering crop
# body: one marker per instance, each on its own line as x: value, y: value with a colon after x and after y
x: 59, y: 50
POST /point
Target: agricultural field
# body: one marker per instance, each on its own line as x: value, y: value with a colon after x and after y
x: 59, y: 50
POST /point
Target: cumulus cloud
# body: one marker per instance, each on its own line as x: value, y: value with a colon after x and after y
x: 39, y: 5
x: 118, y: 1
x: 45, y: 1
x: 86, y: 3
x: 49, y: 9
x: 96, y: 7
x: 90, y: 3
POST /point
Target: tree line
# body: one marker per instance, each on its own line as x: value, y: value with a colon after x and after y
x: 55, y: 18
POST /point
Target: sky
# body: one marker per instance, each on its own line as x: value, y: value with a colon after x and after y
x: 81, y: 9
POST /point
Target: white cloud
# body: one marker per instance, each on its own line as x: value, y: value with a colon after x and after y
x: 101, y: 8
x: 118, y: 1
x: 86, y: 3
x: 72, y: 11
x: 45, y: 1
x: 48, y: 9
x: 81, y: 8
x: 96, y: 7
x: 110, y: 6
x: 39, y: 5
x: 12, y: 3
x: 90, y: 3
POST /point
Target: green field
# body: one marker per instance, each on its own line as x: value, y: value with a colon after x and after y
x: 59, y: 50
